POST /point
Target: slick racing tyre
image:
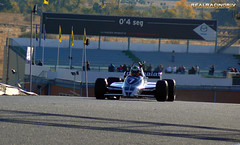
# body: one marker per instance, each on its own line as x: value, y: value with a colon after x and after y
x: 171, y: 90
x: 161, y: 91
x: 100, y: 88
x: 111, y: 80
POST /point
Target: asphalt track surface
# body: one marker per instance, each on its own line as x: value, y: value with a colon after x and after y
x: 76, y: 120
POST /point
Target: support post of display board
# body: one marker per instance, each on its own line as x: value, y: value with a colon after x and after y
x: 40, y: 29
x: 159, y: 44
x: 40, y: 32
x: 81, y: 82
x: 35, y: 46
x: 34, y: 11
x: 129, y: 43
x: 215, y: 45
x: 187, y: 46
x: 216, y: 39
x: 99, y: 42
x: 70, y: 53
x: 85, y: 60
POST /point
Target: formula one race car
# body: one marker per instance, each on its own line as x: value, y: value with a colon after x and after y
x: 135, y: 84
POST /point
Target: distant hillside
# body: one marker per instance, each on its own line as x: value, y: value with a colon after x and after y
x: 12, y: 25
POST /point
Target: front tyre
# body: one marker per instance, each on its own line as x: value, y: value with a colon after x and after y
x: 171, y: 90
x: 100, y: 88
x: 161, y: 90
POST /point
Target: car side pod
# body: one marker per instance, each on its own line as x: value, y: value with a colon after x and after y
x: 111, y: 80
x: 161, y: 91
x: 100, y: 88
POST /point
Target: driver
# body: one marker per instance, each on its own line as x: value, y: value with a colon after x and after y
x: 135, y: 71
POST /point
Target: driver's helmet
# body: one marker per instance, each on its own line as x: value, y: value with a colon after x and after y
x: 135, y: 71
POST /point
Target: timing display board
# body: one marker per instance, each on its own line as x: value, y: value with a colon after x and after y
x: 123, y: 26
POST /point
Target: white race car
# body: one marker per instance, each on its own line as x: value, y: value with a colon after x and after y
x: 135, y: 84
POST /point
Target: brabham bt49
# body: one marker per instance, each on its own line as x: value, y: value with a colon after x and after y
x: 135, y: 84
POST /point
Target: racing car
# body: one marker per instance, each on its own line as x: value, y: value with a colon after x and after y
x: 135, y: 84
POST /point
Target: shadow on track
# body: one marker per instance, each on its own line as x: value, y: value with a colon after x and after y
x: 25, y: 117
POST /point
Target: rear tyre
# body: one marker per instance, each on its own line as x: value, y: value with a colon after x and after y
x: 161, y: 91
x: 100, y: 88
x: 171, y: 90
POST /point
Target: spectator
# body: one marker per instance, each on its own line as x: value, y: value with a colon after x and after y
x: 128, y: 68
x: 39, y: 63
x: 88, y: 65
x: 192, y: 70
x: 232, y: 70
x: 124, y: 67
x: 174, y: 69
x: 111, y: 68
x: 181, y: 70
x: 144, y: 66
x: 161, y: 68
x: 120, y: 68
x: 169, y: 69
x: 157, y: 69
x: 211, y: 70
x: 197, y: 69
x: 224, y: 73
x: 149, y: 68
x: 236, y: 70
